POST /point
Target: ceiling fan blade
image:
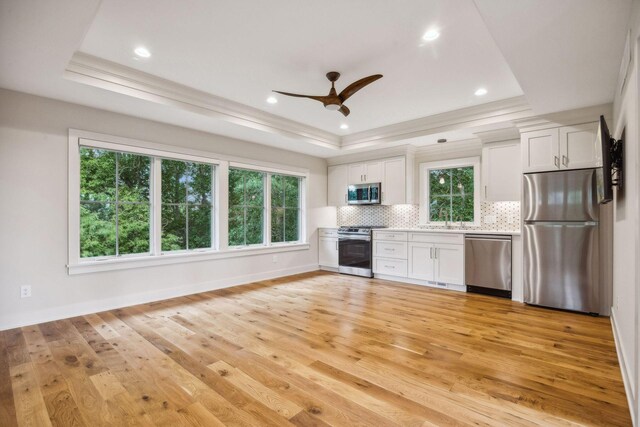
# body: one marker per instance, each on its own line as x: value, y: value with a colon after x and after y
x: 357, y: 85
x: 344, y: 110
x: 297, y: 95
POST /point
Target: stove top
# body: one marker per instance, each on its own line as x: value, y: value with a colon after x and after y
x: 361, y: 229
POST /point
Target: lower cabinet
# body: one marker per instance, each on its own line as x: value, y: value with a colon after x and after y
x: 421, y: 258
x: 328, y: 252
x: 328, y: 247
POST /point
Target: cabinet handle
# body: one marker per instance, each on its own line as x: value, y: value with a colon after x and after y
x: 382, y: 197
x: 556, y: 161
x: 430, y: 253
x: 485, y: 191
x: 435, y: 251
x: 565, y: 160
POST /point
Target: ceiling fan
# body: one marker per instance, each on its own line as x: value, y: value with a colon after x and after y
x: 334, y: 101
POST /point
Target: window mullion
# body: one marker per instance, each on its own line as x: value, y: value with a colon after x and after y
x: 156, y: 195
x: 266, y: 209
x: 117, y: 207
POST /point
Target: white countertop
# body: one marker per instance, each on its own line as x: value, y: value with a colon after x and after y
x: 446, y: 230
x: 455, y: 231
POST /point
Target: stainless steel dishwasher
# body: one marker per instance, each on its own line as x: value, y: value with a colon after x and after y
x: 487, y: 260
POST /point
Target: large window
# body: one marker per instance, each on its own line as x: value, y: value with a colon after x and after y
x: 450, y: 191
x: 285, y: 208
x: 138, y: 204
x: 117, y: 190
x: 187, y: 205
x: 246, y: 207
x: 114, y: 203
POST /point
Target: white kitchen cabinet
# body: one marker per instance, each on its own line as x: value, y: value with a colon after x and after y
x: 357, y: 171
x: 394, y: 184
x: 501, y: 171
x: 366, y: 172
x: 567, y: 147
x: 421, y: 265
x: 578, y: 146
x: 540, y: 150
x: 328, y: 248
x: 337, y: 180
x: 449, y: 264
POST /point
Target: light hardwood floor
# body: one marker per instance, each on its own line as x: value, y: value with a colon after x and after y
x: 315, y: 349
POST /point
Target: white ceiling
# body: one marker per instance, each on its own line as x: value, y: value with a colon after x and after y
x: 241, y: 50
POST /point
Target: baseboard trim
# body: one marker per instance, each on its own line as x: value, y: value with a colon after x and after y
x: 624, y: 368
x: 89, y: 307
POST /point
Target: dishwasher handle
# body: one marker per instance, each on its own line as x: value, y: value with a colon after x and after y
x: 487, y: 237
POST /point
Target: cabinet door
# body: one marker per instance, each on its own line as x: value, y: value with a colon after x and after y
x: 328, y: 252
x: 578, y: 146
x: 394, y: 184
x: 337, y: 185
x: 449, y: 264
x: 501, y: 172
x: 420, y: 261
x: 357, y: 171
x: 540, y: 150
x: 374, y: 172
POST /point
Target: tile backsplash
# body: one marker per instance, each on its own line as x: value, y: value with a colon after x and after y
x: 506, y: 215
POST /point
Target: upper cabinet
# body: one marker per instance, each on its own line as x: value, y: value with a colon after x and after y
x: 338, y: 180
x: 391, y: 173
x: 370, y: 172
x: 501, y: 171
x: 567, y: 147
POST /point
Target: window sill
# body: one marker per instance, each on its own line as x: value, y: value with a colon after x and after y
x: 179, y: 258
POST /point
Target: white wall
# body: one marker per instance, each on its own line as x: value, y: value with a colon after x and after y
x: 626, y: 230
x: 33, y: 215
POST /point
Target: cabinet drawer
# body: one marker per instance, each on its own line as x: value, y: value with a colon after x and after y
x: 390, y: 249
x: 400, y: 236
x: 390, y: 267
x: 454, y: 238
x: 328, y: 232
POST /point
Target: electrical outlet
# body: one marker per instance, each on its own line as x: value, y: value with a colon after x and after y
x: 275, y: 259
x: 25, y: 291
x: 490, y: 219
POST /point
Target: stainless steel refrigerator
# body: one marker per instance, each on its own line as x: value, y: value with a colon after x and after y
x: 561, y: 240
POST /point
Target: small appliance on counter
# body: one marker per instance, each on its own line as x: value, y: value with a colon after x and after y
x: 355, y: 250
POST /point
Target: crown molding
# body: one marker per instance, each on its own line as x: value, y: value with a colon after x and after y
x: 88, y: 69
x: 507, y: 110
x: 498, y: 135
x: 564, y: 118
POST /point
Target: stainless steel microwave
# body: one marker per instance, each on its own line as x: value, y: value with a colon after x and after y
x: 363, y: 194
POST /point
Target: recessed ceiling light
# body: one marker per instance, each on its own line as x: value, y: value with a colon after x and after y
x: 272, y: 100
x: 142, y: 52
x: 480, y: 92
x: 344, y: 126
x: 431, y: 35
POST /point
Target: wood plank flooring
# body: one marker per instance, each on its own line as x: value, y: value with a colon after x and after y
x: 314, y: 350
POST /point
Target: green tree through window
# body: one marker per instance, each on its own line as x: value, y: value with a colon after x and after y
x: 246, y: 207
x: 451, y: 194
x: 285, y: 208
x: 114, y: 203
x: 187, y: 205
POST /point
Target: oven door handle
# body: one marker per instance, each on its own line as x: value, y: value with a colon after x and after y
x: 362, y: 239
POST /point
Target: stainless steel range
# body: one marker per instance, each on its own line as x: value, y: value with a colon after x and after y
x: 355, y: 250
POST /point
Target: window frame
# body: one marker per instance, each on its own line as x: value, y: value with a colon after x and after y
x: 302, y: 196
x: 426, y: 167
x: 221, y: 163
